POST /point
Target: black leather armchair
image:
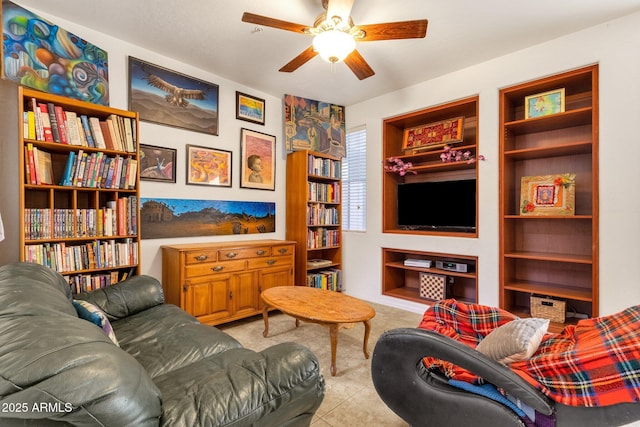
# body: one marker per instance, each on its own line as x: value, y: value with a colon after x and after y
x: 425, y: 398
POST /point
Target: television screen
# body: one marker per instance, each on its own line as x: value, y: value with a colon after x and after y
x: 440, y: 206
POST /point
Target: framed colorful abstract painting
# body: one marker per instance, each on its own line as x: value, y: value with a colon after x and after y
x: 41, y: 55
x: 434, y: 135
x: 544, y: 104
x: 157, y: 163
x: 208, y: 166
x: 250, y: 108
x: 548, y: 195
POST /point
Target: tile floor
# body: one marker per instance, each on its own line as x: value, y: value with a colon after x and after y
x: 350, y: 397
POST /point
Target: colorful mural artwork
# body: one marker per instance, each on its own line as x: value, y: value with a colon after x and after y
x: 41, y: 55
x: 165, y: 218
x: 314, y: 125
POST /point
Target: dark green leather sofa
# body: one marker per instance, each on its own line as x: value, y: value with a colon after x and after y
x: 170, y: 370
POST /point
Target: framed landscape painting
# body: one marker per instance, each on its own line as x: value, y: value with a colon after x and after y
x: 249, y: 108
x: 208, y: 166
x: 169, y: 98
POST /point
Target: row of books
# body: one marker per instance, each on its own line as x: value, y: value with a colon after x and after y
x: 324, y: 167
x: 322, y: 215
x: 327, y: 279
x: 98, y: 170
x: 117, y: 218
x: 322, y: 237
x: 45, y: 121
x: 89, y: 282
x: 328, y: 193
x: 88, y: 256
x: 38, y: 167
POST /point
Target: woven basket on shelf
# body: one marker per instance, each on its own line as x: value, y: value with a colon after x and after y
x: 548, y: 308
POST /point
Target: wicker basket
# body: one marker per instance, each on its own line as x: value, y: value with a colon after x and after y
x: 548, y: 308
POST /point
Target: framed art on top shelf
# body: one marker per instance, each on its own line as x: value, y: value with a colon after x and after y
x: 208, y: 166
x: 433, y: 135
x: 544, y: 104
x: 548, y: 195
x: 250, y: 108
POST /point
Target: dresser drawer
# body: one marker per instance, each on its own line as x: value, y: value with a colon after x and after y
x: 273, y: 261
x: 284, y: 250
x: 244, y: 253
x: 198, y: 257
x: 206, y: 268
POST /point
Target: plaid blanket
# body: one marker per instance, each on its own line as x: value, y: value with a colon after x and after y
x: 593, y: 363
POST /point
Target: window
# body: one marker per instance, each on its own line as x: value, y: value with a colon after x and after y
x: 354, y: 181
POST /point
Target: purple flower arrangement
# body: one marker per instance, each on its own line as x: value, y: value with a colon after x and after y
x: 451, y: 155
x: 398, y: 166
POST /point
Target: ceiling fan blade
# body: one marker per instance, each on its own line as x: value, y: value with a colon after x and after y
x: 358, y: 65
x: 273, y: 23
x: 299, y: 60
x: 341, y: 8
x: 394, y: 30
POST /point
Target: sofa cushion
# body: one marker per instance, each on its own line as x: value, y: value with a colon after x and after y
x: 514, y: 341
x: 165, y: 338
x: 93, y: 314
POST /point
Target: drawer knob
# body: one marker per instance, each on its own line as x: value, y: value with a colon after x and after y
x: 283, y: 250
x: 217, y: 268
x: 232, y: 254
x: 271, y: 261
x: 202, y: 257
x: 260, y: 252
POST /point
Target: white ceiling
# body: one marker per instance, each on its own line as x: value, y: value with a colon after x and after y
x: 210, y: 35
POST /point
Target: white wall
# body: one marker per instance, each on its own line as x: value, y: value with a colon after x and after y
x: 614, y: 46
x: 228, y: 139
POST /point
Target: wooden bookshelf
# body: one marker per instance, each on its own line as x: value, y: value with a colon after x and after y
x: 86, y: 226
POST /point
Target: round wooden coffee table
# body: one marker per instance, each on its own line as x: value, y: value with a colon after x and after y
x: 332, y: 309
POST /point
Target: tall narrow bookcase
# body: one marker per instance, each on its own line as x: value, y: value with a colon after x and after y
x: 314, y: 212
x: 70, y: 202
x: 551, y: 256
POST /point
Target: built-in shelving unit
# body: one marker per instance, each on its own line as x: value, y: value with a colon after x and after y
x: 403, y: 281
x: 554, y: 256
x: 314, y: 212
x: 427, y: 164
x: 76, y: 221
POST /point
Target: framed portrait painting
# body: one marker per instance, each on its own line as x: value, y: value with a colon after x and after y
x: 157, y: 163
x: 249, y: 108
x: 169, y: 98
x: 208, y: 166
x: 258, y: 160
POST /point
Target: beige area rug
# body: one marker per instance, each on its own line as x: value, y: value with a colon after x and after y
x: 350, y: 397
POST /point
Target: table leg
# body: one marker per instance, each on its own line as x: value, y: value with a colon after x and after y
x: 333, y: 333
x: 367, y: 330
x: 265, y: 317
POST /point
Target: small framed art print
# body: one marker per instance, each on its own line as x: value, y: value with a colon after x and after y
x: 208, y: 166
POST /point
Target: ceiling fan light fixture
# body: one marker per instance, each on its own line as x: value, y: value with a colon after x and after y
x: 334, y: 45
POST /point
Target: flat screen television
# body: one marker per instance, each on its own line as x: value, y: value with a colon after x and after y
x: 438, y: 206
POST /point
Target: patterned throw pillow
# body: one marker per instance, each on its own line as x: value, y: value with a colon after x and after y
x: 93, y: 314
x: 514, y: 341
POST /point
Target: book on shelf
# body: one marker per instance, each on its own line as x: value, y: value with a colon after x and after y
x: 61, y: 120
x: 96, y: 131
x: 53, y: 120
x: 86, y: 128
x: 43, y: 113
x: 44, y: 167
x: 317, y: 263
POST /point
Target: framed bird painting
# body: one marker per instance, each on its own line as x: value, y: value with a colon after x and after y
x: 169, y: 98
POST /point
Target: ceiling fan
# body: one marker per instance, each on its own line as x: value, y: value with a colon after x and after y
x: 335, y: 28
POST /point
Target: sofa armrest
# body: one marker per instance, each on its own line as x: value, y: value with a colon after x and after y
x: 128, y: 297
x: 399, y: 352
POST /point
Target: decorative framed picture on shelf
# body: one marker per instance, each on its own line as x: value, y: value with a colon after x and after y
x: 544, y: 104
x: 548, y: 195
x: 157, y: 163
x: 166, y: 97
x: 250, y: 108
x: 257, y: 160
x: 208, y: 166
x: 433, y: 135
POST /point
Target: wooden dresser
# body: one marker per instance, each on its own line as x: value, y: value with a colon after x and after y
x: 220, y: 282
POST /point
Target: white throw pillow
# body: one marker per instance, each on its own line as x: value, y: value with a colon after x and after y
x: 514, y: 341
